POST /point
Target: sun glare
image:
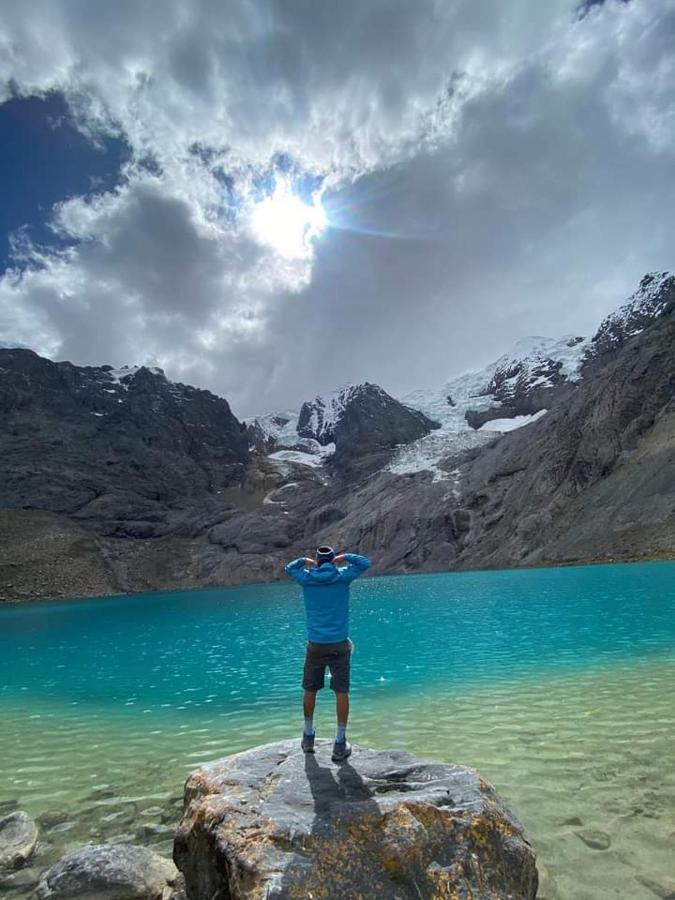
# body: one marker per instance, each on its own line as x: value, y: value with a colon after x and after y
x: 286, y: 223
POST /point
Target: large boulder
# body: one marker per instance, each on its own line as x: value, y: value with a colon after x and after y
x: 110, y: 872
x: 273, y: 822
x: 18, y: 838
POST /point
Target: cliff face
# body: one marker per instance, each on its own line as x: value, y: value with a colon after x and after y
x: 126, y: 451
x: 595, y: 477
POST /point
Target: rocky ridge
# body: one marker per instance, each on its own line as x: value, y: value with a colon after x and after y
x: 117, y: 481
x: 354, y: 421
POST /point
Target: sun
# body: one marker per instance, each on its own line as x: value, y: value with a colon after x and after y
x: 286, y: 223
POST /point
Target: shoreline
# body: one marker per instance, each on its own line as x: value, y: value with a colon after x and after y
x: 662, y: 556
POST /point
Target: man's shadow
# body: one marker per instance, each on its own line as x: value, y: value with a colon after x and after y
x: 340, y: 795
x: 342, y: 785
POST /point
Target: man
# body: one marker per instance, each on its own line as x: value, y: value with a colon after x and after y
x: 325, y: 582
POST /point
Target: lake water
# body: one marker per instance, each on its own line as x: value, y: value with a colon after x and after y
x: 557, y: 684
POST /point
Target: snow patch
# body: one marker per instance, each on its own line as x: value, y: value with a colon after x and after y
x: 123, y: 375
x: 425, y: 454
x: 315, y: 460
x: 532, y: 360
x: 504, y: 425
x: 297, y: 456
x: 278, y: 426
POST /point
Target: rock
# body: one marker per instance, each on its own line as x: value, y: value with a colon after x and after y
x: 149, y: 831
x: 21, y: 880
x: 52, y: 817
x: 110, y: 872
x: 18, y: 838
x: 666, y: 891
x: 597, y: 840
x: 273, y: 822
x: 152, y: 811
x: 572, y: 820
x: 8, y: 806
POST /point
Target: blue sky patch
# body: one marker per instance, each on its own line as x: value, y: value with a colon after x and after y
x: 44, y: 160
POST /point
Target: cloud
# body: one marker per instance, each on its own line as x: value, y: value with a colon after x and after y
x: 495, y: 169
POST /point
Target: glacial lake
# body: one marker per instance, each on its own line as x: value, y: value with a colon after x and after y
x: 558, y: 684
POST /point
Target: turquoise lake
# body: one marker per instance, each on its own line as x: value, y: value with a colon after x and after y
x: 557, y: 684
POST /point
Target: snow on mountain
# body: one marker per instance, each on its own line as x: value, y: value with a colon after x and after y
x: 307, y: 432
x: 509, y: 393
x: 314, y: 456
x: 503, y: 425
x: 356, y: 419
x: 425, y: 454
x: 534, y: 363
x: 278, y: 428
x: 654, y: 295
x: 317, y: 418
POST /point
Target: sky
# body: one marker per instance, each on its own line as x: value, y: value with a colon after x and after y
x: 270, y: 199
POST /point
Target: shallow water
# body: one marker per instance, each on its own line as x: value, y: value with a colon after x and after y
x: 557, y: 684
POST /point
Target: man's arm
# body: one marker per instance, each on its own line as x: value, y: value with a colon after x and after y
x: 356, y: 565
x: 296, y: 568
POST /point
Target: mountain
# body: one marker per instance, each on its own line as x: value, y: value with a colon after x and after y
x: 654, y: 298
x: 519, y: 383
x: 125, y: 450
x: 595, y: 478
x: 351, y: 423
x: 118, y: 480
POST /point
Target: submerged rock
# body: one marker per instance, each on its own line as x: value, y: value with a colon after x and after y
x: 110, y: 872
x: 666, y: 891
x: 273, y: 822
x: 18, y: 837
x: 596, y: 840
x: 20, y: 880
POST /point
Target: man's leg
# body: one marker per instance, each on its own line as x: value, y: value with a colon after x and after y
x: 340, y: 672
x: 342, y: 711
x: 308, y: 704
x: 312, y: 681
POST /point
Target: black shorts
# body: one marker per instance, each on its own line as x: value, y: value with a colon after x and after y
x: 337, y: 657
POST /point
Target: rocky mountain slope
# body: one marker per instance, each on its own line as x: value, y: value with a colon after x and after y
x: 357, y: 420
x: 125, y: 451
x: 143, y: 484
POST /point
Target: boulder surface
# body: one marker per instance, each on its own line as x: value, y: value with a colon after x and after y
x: 273, y: 822
x: 18, y: 837
x: 109, y: 872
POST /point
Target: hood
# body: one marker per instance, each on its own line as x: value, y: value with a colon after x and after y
x: 324, y: 574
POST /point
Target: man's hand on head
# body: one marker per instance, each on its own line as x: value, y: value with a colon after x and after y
x: 309, y: 562
x: 340, y: 558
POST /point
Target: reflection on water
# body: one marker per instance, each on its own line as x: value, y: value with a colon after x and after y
x: 556, y: 684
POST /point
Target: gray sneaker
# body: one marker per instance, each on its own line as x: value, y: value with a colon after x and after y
x: 307, y: 742
x: 341, y: 750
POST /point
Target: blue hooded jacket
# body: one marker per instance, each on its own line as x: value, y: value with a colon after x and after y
x: 326, y: 592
